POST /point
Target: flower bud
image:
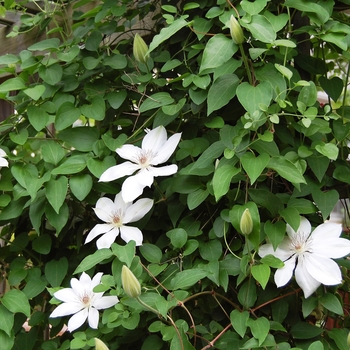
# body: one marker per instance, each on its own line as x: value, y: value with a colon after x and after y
x: 100, y: 345
x: 236, y: 31
x: 130, y: 283
x: 246, y: 223
x: 140, y: 49
x: 348, y: 340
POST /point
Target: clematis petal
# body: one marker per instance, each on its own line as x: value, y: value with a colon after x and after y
x: 283, y: 251
x: 304, y: 229
x: 167, y: 149
x: 96, y: 280
x: 85, y: 282
x: 77, y: 320
x: 128, y: 233
x: 145, y: 177
x: 331, y: 247
x: 3, y: 162
x: 105, y: 302
x: 107, y: 239
x: 138, y: 210
x: 119, y: 203
x: 164, y: 170
x: 131, y: 189
x: 324, y: 270
x: 285, y: 273
x: 328, y: 230
x: 104, y: 209
x: 67, y: 295
x: 98, y: 230
x: 93, y: 318
x: 65, y: 309
x: 129, y: 152
x: 155, y: 139
x: 2, y: 153
x: 305, y: 280
x: 118, y: 171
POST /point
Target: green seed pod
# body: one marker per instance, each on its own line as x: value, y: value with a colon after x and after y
x: 246, y: 223
x: 130, y: 283
x: 140, y: 49
x: 100, y: 345
x: 236, y: 31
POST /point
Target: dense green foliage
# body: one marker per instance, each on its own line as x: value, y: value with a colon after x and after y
x: 253, y: 136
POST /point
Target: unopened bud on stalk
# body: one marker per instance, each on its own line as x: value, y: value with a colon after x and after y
x: 348, y: 340
x: 100, y: 345
x: 246, y: 224
x: 130, y: 283
x: 236, y: 31
x: 140, y: 49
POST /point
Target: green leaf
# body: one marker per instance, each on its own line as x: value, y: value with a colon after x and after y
x: 12, y: 84
x: 260, y: 328
x: 116, y: 61
x: 221, y: 92
x: 69, y: 55
x: 20, y: 137
x: 333, y: 87
x: 340, y: 337
x: 42, y: 244
x: 211, y: 250
x: 222, y: 179
x: 187, y: 278
x: 272, y: 261
x: 81, y: 138
x: 71, y: 165
x: 292, y: 217
x: 52, y: 152
x: 308, y: 94
x: 254, y: 165
x: 308, y: 305
x: 16, y: 301
x: 174, y: 109
x: 151, y: 252
x: 239, y: 321
x: 56, y: 271
x: 80, y: 185
x: 197, y: 197
x: 247, y: 294
x: 13, y: 210
x: 325, y: 201
x: 286, y: 169
x: 35, y: 92
x: 6, y: 341
x: 317, y: 345
x: 253, y: 8
x: 58, y: 221
x: 261, y: 28
x: 156, y: 100
x: 303, y: 330
x: 52, y: 74
x: 219, y: 49
x: 261, y: 273
x: 97, y: 167
x: 96, y: 110
x: 94, y: 259
x: 319, y: 166
x: 66, y: 115
x: 116, y: 99
x: 167, y: 32
x: 178, y: 237
x: 47, y: 44
x: 329, y: 150
x: 275, y: 232
x: 93, y: 41
x: 251, y: 97
x: 7, y: 320
x: 338, y: 39
x: 34, y: 287
x: 342, y: 173
x: 56, y: 190
x: 331, y: 303
x: 125, y: 253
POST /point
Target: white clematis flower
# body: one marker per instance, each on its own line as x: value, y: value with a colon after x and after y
x: 115, y: 215
x: 81, y: 301
x: 309, y: 255
x: 3, y: 161
x: 155, y: 149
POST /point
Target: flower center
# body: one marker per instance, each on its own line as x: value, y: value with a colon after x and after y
x: 145, y: 157
x: 86, y: 299
x: 301, y: 243
x: 117, y: 218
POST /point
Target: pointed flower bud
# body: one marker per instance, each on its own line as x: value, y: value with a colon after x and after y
x: 100, y: 345
x: 140, y: 49
x: 236, y: 31
x: 246, y: 223
x: 130, y: 283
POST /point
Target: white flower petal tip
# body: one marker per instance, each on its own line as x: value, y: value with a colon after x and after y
x: 81, y: 302
x: 309, y: 255
x: 156, y: 149
x: 116, y: 214
x: 3, y: 161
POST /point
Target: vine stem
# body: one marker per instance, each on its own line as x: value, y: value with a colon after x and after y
x: 246, y: 64
x: 211, y: 344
